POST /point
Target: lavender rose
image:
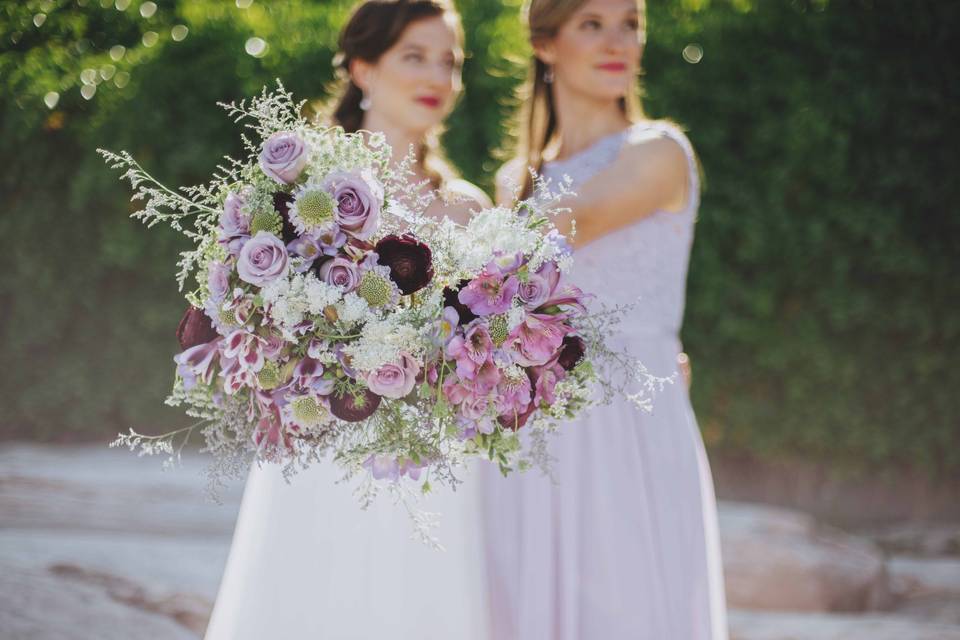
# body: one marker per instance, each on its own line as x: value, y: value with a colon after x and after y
x: 218, y: 281
x: 359, y: 198
x: 262, y: 259
x: 233, y: 221
x: 283, y: 156
x: 394, y: 380
x: 340, y: 272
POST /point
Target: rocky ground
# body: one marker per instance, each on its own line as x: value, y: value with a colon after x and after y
x: 97, y: 543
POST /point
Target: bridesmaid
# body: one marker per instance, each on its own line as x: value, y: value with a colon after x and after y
x: 306, y: 561
x: 624, y: 543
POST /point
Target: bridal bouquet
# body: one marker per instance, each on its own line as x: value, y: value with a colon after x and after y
x: 329, y: 316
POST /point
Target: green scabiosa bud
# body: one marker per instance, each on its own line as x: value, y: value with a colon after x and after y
x: 498, y: 329
x: 308, y: 411
x: 268, y: 221
x: 314, y: 208
x: 269, y: 376
x: 375, y: 288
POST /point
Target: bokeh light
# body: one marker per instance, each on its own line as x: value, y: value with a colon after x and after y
x: 150, y: 38
x: 147, y: 9
x: 117, y: 51
x: 88, y: 91
x: 693, y: 53
x: 51, y: 99
x: 256, y: 47
x: 179, y: 32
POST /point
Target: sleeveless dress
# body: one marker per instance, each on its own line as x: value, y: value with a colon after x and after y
x: 625, y: 543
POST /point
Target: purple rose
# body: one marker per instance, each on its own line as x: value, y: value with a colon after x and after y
x: 340, y: 272
x: 262, y: 259
x: 539, y: 286
x: 394, y: 380
x: 233, y: 220
x: 359, y: 198
x: 283, y: 156
x: 234, y: 223
x: 218, y: 281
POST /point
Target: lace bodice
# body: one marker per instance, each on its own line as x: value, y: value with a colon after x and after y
x: 646, y: 260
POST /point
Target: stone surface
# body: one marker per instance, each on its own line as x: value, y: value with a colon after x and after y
x: 778, y: 559
x: 754, y: 625
x: 98, y: 543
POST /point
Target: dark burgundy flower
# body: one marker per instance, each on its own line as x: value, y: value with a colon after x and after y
x: 516, y: 420
x: 195, y: 328
x: 281, y: 200
x: 571, y: 352
x: 451, y: 299
x: 410, y: 262
x: 350, y: 408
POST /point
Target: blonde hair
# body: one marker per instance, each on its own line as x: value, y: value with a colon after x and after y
x: 538, y: 117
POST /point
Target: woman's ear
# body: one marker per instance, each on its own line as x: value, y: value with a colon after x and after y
x: 544, y: 51
x: 360, y: 72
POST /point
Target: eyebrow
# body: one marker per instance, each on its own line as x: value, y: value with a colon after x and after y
x: 632, y: 13
x: 453, y: 53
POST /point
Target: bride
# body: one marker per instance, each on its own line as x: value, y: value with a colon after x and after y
x: 306, y: 561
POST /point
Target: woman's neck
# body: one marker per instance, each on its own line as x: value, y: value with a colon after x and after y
x: 398, y: 138
x: 582, y: 120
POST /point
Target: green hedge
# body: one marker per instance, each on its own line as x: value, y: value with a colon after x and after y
x: 819, y: 315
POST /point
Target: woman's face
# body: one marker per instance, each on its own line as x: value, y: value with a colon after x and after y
x: 414, y: 83
x: 597, y: 51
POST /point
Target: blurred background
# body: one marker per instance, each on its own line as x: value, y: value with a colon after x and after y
x: 822, y: 315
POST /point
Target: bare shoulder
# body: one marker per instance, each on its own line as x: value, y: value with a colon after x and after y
x: 663, y: 146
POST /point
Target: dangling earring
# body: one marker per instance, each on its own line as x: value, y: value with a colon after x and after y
x: 548, y: 75
x: 365, y: 102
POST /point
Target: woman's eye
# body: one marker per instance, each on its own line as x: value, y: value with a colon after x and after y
x: 632, y: 25
x: 590, y: 25
x: 413, y: 57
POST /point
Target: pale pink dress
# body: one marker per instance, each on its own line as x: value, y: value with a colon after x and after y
x: 625, y: 544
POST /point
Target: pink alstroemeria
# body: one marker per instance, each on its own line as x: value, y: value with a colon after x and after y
x: 473, y: 352
x: 489, y: 293
x: 546, y: 379
x: 308, y: 374
x: 248, y: 349
x: 197, y: 362
x: 513, y: 400
x: 235, y: 376
x: 270, y: 433
x: 536, y: 340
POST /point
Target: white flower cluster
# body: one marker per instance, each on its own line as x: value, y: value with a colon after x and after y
x: 352, y: 309
x: 498, y: 229
x: 381, y: 342
x: 289, y: 300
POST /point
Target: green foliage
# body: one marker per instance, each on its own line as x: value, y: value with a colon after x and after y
x: 820, y: 316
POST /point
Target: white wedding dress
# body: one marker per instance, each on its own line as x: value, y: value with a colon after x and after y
x: 625, y: 544
x: 306, y: 563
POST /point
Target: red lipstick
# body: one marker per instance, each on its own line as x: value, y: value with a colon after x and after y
x: 429, y: 101
x: 612, y: 66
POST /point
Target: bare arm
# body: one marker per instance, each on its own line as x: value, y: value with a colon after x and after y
x: 508, y: 180
x: 462, y: 199
x: 649, y: 175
